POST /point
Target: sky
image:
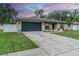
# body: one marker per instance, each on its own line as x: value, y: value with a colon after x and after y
x: 26, y: 10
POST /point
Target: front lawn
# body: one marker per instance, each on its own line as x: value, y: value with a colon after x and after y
x: 13, y: 42
x: 71, y: 34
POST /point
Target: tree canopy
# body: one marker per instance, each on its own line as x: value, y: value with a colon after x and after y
x: 7, y: 14
x: 65, y: 15
x: 39, y: 13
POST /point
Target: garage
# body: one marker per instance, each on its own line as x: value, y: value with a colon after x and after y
x: 31, y: 26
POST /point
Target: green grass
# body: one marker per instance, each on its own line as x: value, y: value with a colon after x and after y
x: 13, y: 42
x: 71, y: 34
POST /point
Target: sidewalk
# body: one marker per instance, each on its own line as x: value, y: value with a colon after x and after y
x: 31, y: 52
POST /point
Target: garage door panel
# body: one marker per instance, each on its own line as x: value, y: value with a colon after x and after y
x: 31, y: 26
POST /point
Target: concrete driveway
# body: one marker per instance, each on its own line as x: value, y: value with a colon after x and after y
x: 54, y: 45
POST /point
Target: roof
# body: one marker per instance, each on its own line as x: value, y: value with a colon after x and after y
x: 39, y: 20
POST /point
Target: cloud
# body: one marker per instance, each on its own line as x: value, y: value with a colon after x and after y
x: 27, y: 10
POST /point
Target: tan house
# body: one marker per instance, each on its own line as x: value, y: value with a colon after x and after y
x: 37, y: 24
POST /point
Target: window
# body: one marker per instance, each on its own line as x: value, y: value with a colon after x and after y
x: 47, y: 27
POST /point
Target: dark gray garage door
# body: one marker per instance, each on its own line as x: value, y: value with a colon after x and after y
x: 31, y: 26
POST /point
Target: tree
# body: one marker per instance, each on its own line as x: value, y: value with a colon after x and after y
x: 54, y: 15
x: 39, y: 13
x: 73, y: 15
x: 65, y: 15
x: 7, y: 14
x: 59, y: 15
x: 76, y: 15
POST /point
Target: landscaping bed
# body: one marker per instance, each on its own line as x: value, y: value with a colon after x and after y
x: 13, y: 42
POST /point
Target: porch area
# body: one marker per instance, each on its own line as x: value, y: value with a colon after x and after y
x: 47, y: 26
x: 56, y: 27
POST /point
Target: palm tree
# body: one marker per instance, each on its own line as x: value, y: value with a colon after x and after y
x: 7, y: 14
x: 39, y: 13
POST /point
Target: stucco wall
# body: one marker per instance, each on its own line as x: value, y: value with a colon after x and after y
x: 71, y: 26
x: 67, y: 27
x: 44, y: 24
x: 18, y: 26
x: 57, y: 27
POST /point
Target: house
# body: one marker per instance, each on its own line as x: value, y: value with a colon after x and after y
x: 37, y: 24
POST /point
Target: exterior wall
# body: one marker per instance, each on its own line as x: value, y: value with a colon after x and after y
x: 51, y: 26
x: 57, y: 26
x: 44, y: 24
x: 71, y: 26
x: 66, y: 27
x: 18, y: 26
